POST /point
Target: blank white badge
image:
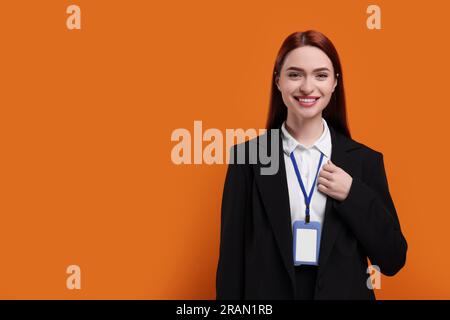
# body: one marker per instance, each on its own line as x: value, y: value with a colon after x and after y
x: 306, y: 246
x: 306, y: 242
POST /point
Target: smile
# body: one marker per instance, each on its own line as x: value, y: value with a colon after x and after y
x: 307, y: 102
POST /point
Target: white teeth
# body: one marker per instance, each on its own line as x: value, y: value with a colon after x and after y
x: 307, y: 100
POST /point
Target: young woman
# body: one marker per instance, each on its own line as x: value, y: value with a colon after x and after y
x: 308, y: 231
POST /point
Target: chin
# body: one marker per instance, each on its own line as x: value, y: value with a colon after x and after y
x: 307, y: 113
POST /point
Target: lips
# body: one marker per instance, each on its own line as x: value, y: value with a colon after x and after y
x: 307, y: 101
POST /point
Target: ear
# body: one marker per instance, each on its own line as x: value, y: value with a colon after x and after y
x: 277, y: 78
x: 335, y: 84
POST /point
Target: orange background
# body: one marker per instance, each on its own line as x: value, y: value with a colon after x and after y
x: 86, y: 118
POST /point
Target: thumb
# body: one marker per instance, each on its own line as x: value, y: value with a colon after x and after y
x: 331, y: 163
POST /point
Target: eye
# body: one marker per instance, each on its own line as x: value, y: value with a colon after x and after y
x: 323, y: 76
x: 293, y: 74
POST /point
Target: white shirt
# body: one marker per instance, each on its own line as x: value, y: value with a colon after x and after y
x: 307, y: 161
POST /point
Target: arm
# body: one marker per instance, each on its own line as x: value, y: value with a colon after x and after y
x: 230, y: 269
x: 370, y: 213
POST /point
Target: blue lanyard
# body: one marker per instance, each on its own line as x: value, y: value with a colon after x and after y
x: 299, y: 178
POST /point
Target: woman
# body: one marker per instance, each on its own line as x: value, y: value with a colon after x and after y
x: 308, y: 231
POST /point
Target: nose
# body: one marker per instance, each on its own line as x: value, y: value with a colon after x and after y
x: 306, y: 86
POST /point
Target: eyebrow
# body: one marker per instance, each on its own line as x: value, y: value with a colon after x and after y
x: 300, y: 69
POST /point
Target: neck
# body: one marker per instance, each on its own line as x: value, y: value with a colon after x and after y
x: 305, y: 131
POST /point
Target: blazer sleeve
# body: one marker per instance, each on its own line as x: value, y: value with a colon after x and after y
x: 230, y: 268
x: 370, y: 213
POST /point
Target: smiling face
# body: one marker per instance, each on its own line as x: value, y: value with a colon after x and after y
x: 306, y: 82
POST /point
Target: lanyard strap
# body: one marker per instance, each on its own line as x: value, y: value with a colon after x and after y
x: 299, y: 178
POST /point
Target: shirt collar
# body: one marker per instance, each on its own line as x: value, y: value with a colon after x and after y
x: 323, y: 144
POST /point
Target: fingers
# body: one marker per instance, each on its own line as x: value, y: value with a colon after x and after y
x: 323, y: 181
x: 323, y: 188
x: 330, y: 166
x: 326, y: 174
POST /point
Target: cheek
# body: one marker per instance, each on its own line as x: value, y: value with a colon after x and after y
x: 288, y: 87
x: 326, y: 90
x: 287, y: 90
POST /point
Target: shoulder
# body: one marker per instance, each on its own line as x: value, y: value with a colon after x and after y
x: 253, y: 148
x: 366, y: 150
x: 257, y: 155
x: 359, y: 151
x: 353, y: 145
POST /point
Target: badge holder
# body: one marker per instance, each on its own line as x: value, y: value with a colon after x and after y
x: 306, y: 243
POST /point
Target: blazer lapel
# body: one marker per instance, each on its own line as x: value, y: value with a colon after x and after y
x: 331, y: 225
x: 275, y: 197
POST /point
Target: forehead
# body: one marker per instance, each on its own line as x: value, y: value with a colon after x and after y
x: 307, y: 58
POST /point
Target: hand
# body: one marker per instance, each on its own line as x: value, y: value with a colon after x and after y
x: 334, y: 181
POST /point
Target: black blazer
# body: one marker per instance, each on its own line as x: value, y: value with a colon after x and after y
x: 256, y: 253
